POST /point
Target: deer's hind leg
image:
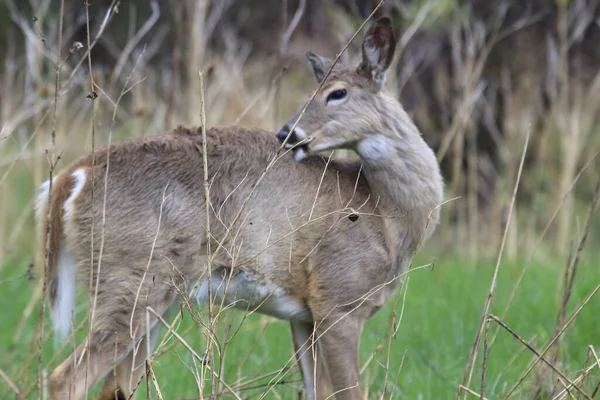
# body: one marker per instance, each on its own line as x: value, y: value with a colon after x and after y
x: 119, y: 323
x: 121, y: 382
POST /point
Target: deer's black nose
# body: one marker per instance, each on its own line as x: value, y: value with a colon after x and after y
x: 284, y: 132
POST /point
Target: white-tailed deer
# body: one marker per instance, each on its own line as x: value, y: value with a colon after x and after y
x: 321, y: 243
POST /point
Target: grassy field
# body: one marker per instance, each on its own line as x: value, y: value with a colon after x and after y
x: 427, y: 357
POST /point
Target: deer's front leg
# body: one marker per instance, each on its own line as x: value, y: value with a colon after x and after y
x: 317, y: 385
x: 338, y: 338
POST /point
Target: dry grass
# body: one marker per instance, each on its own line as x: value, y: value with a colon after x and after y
x: 61, y: 105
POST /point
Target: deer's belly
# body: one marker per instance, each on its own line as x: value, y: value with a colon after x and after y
x: 244, y: 292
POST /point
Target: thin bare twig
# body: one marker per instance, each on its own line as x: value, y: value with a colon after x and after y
x: 534, y: 351
x: 10, y: 383
x: 210, y: 329
x: 52, y: 165
x: 471, y: 392
x: 484, y: 361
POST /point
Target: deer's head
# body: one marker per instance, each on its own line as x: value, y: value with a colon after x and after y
x: 349, y: 107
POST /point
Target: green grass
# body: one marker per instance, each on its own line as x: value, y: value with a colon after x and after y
x: 441, y: 314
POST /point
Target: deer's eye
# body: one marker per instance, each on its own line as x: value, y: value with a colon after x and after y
x: 336, y: 96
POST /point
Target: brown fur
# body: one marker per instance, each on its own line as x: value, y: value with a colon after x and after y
x: 150, y: 241
x: 51, y: 226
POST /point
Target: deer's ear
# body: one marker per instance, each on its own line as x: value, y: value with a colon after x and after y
x: 378, y: 50
x: 318, y: 65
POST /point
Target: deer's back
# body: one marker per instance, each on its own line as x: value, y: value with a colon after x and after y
x: 148, y: 204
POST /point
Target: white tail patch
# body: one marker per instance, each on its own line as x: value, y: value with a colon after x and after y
x: 63, y: 310
x: 80, y: 177
x: 41, y: 198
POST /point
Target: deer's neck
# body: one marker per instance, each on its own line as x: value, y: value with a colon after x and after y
x: 406, y: 183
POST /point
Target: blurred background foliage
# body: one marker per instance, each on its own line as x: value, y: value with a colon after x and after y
x: 477, y: 76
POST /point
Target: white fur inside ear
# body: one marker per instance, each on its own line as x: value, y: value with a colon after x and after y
x: 379, y: 77
x: 372, y: 53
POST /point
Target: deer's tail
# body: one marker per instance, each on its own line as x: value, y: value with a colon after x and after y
x: 54, y: 208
